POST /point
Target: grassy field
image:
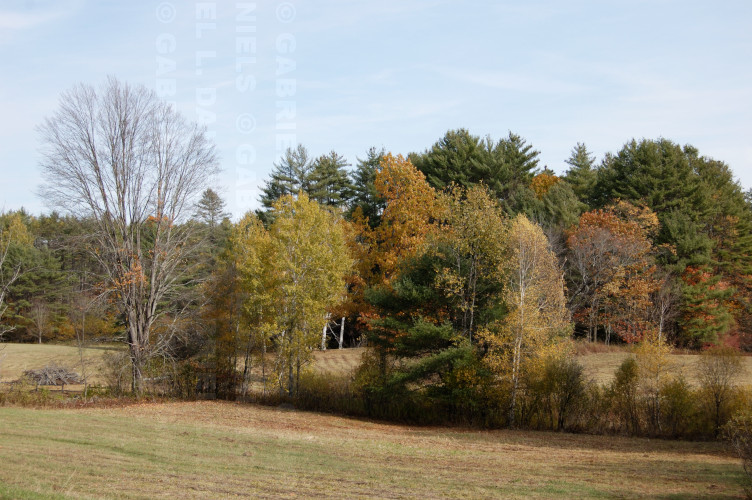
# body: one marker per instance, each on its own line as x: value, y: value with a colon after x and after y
x: 15, y: 358
x: 598, y: 366
x: 227, y: 450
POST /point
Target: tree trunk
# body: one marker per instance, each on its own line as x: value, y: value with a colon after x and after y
x: 323, y: 337
x: 342, y: 333
x: 137, y: 381
x: 245, y: 384
x: 137, y: 340
x: 516, y: 355
x: 263, y: 366
x: 291, y: 378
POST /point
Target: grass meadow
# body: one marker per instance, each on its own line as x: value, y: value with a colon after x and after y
x: 229, y: 450
x: 599, y: 366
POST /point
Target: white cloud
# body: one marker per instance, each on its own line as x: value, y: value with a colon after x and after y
x: 21, y: 16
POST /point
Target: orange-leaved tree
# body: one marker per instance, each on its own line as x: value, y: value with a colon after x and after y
x: 410, y: 209
x: 612, y: 270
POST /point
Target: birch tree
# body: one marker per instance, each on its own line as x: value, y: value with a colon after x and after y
x: 309, y: 258
x: 136, y: 167
x: 474, y: 241
x: 537, y: 314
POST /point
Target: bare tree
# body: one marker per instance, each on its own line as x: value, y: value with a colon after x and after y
x: 7, y: 277
x: 40, y: 317
x: 134, y: 165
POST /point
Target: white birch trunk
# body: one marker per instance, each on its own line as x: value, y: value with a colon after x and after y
x: 342, y: 333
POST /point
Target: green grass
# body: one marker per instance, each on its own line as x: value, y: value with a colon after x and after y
x: 226, y: 450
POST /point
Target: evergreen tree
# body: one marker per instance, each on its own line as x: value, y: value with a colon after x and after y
x: 211, y: 209
x: 35, y: 299
x: 514, y: 165
x: 457, y: 158
x: 289, y: 176
x: 417, y: 362
x: 556, y: 206
x: 581, y: 175
x: 507, y: 167
x: 329, y: 181
x: 365, y: 196
x: 658, y: 173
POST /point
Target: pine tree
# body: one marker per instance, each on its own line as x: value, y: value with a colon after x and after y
x: 289, y: 176
x: 514, y: 164
x: 457, y: 158
x: 365, y: 196
x: 658, y: 173
x: 329, y: 181
x: 581, y: 174
x: 211, y: 209
x: 507, y: 167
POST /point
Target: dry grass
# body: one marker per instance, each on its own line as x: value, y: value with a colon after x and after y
x: 17, y: 358
x: 599, y: 363
x: 601, y: 367
x: 226, y: 450
x: 338, y: 361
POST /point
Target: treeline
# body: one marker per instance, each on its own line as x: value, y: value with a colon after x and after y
x: 655, y: 236
x: 466, y: 269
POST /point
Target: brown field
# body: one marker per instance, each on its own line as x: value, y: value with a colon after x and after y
x: 599, y: 366
x: 228, y: 450
x: 16, y: 358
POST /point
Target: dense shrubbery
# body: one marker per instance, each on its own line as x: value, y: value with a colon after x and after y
x: 557, y: 396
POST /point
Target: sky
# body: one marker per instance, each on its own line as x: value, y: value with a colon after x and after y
x: 350, y: 75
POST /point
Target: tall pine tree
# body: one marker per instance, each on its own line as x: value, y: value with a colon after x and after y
x: 581, y: 175
x: 365, y: 196
x: 290, y: 175
x: 329, y: 181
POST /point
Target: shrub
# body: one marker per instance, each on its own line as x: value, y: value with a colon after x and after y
x: 328, y: 393
x: 622, y: 396
x: 24, y: 392
x: 739, y: 432
x: 116, y: 372
x: 678, y: 407
x: 717, y: 370
x: 553, y: 393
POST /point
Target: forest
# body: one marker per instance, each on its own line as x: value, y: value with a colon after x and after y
x: 468, y: 271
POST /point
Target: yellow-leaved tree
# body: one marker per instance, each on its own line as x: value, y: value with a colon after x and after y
x: 252, y: 250
x: 472, y: 240
x: 537, y: 318
x: 305, y: 266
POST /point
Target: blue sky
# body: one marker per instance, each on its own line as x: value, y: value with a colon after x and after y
x: 348, y: 75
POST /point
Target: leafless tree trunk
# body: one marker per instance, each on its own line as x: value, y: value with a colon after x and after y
x: 40, y: 316
x: 342, y: 334
x: 136, y: 167
x: 7, y: 278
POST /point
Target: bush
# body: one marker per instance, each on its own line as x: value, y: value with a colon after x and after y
x: 328, y: 393
x: 116, y: 372
x: 717, y: 369
x: 678, y: 407
x: 622, y: 396
x: 24, y: 392
x: 553, y: 394
x: 739, y: 432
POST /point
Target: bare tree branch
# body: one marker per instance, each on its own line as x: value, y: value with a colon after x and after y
x: 136, y: 167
